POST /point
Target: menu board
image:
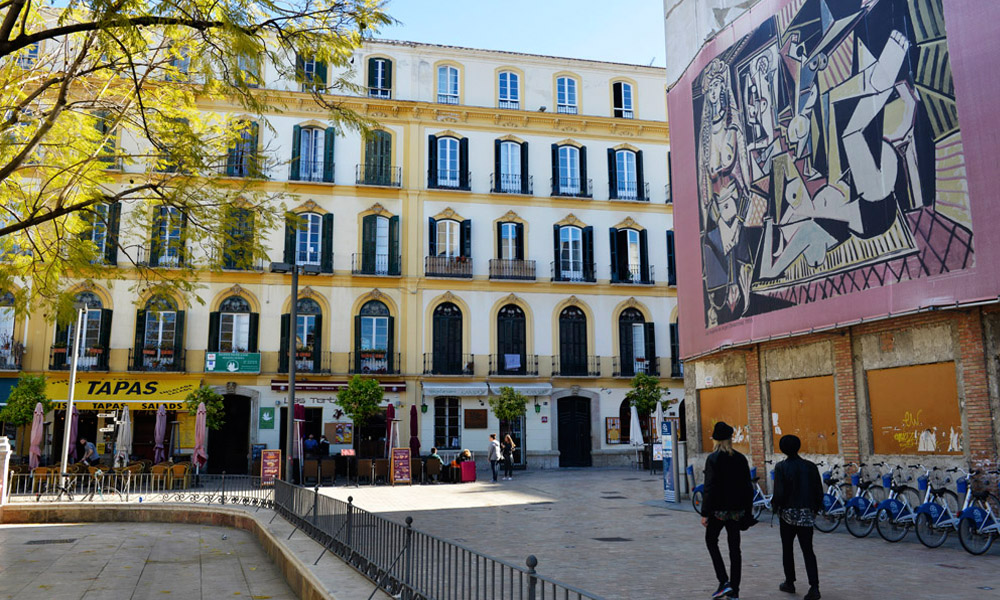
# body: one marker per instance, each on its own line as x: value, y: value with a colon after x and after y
x: 270, y: 466
x: 400, y: 468
x: 613, y: 430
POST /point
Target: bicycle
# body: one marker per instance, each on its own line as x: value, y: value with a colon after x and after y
x: 896, y: 514
x: 760, y: 499
x: 697, y: 492
x: 979, y: 523
x: 938, y: 514
x: 859, y: 513
x: 65, y: 489
x: 834, y: 502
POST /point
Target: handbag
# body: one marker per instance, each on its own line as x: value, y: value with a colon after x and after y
x: 747, y: 521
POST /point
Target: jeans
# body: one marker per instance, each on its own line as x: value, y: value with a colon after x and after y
x: 805, y: 535
x: 508, y: 467
x: 712, y: 532
x: 495, y: 467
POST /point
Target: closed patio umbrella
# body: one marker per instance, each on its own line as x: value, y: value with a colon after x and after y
x: 123, y: 449
x: 200, y: 457
x: 160, y: 434
x: 414, y: 438
x: 635, y: 438
x: 659, y: 419
x: 390, y: 414
x: 74, y: 426
x: 37, y: 433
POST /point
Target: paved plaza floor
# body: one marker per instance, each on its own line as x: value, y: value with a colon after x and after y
x: 608, y: 531
x: 135, y: 561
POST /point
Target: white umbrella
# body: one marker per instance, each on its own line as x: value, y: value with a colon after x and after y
x: 635, y: 430
x: 123, y: 448
x: 394, y: 437
x: 659, y: 420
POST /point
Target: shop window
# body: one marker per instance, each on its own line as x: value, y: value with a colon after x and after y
x: 447, y: 424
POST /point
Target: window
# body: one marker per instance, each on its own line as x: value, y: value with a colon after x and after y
x: 373, y: 339
x: 447, y: 238
x: 671, y: 260
x: 103, y: 231
x: 447, y: 160
x: 625, y: 179
x: 511, y: 341
x: 307, y: 240
x: 566, y: 95
x: 509, y: 90
x: 377, y: 169
x: 167, y: 247
x: 509, y: 168
x: 574, y: 253
x: 636, y: 344
x: 28, y: 56
x: 233, y: 328
x: 447, y: 85
x: 510, y: 263
x: 159, y: 336
x: 569, y: 171
x: 306, y: 335
x: 104, y: 122
x: 629, y: 262
x: 510, y: 241
x: 249, y: 70
x: 379, y: 246
x: 572, y: 342
x: 622, y: 97
x: 447, y: 429
x: 311, y: 74
x: 379, y: 78
x: 95, y: 338
x: 448, y: 163
x: 447, y: 340
x: 91, y: 324
x: 99, y: 227
x: 241, y: 160
x: 10, y: 350
x: 676, y: 364
x: 237, y: 252
x: 311, y: 154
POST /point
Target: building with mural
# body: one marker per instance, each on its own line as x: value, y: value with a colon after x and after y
x: 508, y: 224
x: 833, y: 167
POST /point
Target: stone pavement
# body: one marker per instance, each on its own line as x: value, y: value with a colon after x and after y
x: 607, y: 531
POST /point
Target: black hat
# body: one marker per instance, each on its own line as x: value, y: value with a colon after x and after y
x: 790, y: 444
x: 722, y: 431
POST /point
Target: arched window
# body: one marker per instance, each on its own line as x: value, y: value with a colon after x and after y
x: 566, y: 95
x: 167, y: 243
x: 95, y: 337
x: 569, y: 170
x: 447, y: 340
x: 242, y: 158
x: 511, y: 341
x: 307, y: 336
x: 447, y: 85
x: 159, y: 336
x: 573, y: 342
x: 637, y: 344
x: 311, y: 142
x: 378, y: 160
x: 379, y: 78
x: 448, y: 162
x: 511, y: 165
x: 625, y: 165
x: 447, y: 242
x: 234, y: 327
x: 308, y: 237
x: 622, y: 97
x: 509, y: 90
x: 373, y: 339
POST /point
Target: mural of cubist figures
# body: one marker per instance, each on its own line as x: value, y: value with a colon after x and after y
x: 829, y: 157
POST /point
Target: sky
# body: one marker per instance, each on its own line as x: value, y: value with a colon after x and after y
x: 624, y: 31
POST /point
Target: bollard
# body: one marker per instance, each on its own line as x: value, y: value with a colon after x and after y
x: 532, y: 562
x: 223, y: 487
x: 315, y: 502
x: 350, y: 520
x: 408, y: 548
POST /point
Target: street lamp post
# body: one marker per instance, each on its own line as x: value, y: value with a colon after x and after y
x: 81, y: 315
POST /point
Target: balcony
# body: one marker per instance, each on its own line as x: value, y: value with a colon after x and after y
x: 624, y: 113
x: 630, y: 191
x: 11, y: 355
x: 509, y: 104
x: 630, y: 368
x: 573, y: 187
x: 448, y: 266
x: 669, y: 195
x: 633, y: 275
x: 381, y: 93
x: 449, y: 179
x: 154, y: 359
x: 91, y: 359
x: 676, y: 368
x: 577, y: 273
x: 564, y: 366
x: 511, y: 184
x: 566, y: 109
x: 311, y: 171
x: 449, y: 364
x: 374, y: 264
x: 514, y: 364
x: 250, y: 166
x: 172, y: 259
x: 447, y: 98
x: 508, y: 268
x: 373, y: 362
x: 306, y: 361
x: 378, y: 175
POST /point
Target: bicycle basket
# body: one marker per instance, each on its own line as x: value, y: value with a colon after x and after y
x: 887, y: 480
x: 962, y: 485
x: 753, y: 473
x: 922, y: 483
x: 827, y: 475
x: 856, y: 479
x: 690, y: 470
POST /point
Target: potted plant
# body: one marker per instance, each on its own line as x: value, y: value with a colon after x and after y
x: 303, y: 352
x: 149, y: 350
x: 95, y: 350
x: 59, y: 347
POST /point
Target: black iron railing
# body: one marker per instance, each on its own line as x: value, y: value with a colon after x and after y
x: 449, y: 179
x: 373, y: 362
x: 676, y: 368
x: 508, y: 268
x: 306, y: 361
x: 442, y: 363
x: 630, y: 190
x: 375, y: 264
x: 170, y: 256
x: 572, y: 186
x: 574, y: 271
x: 448, y: 266
x: 513, y: 364
x: 507, y: 183
x: 11, y: 355
x: 509, y: 104
x: 380, y: 175
x: 633, y: 273
x: 565, y: 366
x: 447, y: 99
x: 170, y: 360
x: 91, y: 359
x: 311, y: 170
x: 383, y: 93
x: 630, y: 368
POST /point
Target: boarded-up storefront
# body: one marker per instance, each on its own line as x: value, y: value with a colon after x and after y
x: 805, y: 407
x: 915, y: 410
x: 727, y: 404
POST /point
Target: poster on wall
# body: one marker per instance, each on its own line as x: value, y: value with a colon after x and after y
x: 339, y: 433
x: 266, y: 417
x: 612, y: 430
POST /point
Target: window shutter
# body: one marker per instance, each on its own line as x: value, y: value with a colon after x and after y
x: 463, y: 163
x: 556, y: 257
x: 104, y: 338
x: 140, y: 336
x: 286, y: 328
x: 394, y: 245
x: 214, y: 320
x: 612, y: 174
x: 372, y: 66
x: 671, y: 264
x: 328, y: 145
x: 640, y: 181
x: 390, y: 353
x: 465, y: 238
x: 675, y: 351
x: 253, y: 163
x: 253, y: 332
x: 182, y: 242
x: 318, y: 344
x: 649, y: 335
x: 326, y: 245
x: 388, y: 74
x: 644, y: 256
x: 525, y: 189
x: 178, y: 337
x: 369, y: 229
x: 616, y: 90
x: 499, y: 239
x: 519, y: 244
x: 432, y: 161
x: 555, y: 169
x: 289, y: 255
x: 584, y: 185
x: 431, y: 237
x: 300, y: 68
x: 321, y: 73
x: 111, y: 241
x: 296, y: 152
x: 613, y: 235
x: 62, y: 337
x: 232, y: 157
x: 496, y: 166
x: 627, y: 366
x: 624, y: 269
x: 588, y: 254
x: 155, y: 242
x: 357, y: 343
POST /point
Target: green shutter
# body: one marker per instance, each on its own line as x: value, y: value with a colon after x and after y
x: 671, y: 260
x: 357, y: 343
x: 612, y: 174
x: 394, y: 257
x: 431, y: 237
x: 556, y: 258
x: 525, y: 177
x: 390, y: 352
x: 296, y: 149
x: 519, y: 232
x: 140, y: 338
x: 326, y: 245
x: 613, y: 236
x: 318, y: 344
x: 320, y: 76
x: 254, y: 332
x: 286, y: 320
x: 371, y: 73
x: 465, y: 238
x: 289, y: 256
x: 643, y: 256
x: 555, y: 169
x: 104, y: 338
x: 497, y: 183
x: 111, y: 241
x: 155, y: 242
x: 253, y: 162
x: 178, y: 338
x: 388, y: 74
x: 432, y: 161
x: 214, y: 319
x: 588, y: 254
x: 369, y: 224
x: 463, y: 164
x: 584, y: 187
x: 640, y: 181
x: 328, y: 145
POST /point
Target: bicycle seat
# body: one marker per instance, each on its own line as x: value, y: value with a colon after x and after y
x: 864, y: 485
x: 898, y: 488
x: 830, y: 481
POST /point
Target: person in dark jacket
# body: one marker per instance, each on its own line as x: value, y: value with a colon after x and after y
x: 728, y: 498
x: 798, y: 495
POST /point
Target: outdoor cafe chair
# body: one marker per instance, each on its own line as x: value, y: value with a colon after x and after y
x: 160, y: 475
x: 310, y: 471
x: 416, y: 470
x: 327, y: 471
x: 433, y: 469
x: 381, y: 470
x: 365, y: 468
x: 179, y: 473
x: 43, y: 477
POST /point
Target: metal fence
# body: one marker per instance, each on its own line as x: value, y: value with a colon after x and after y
x: 408, y: 563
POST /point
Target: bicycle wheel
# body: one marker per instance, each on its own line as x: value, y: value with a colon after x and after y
x: 931, y: 534
x: 890, y: 527
x: 697, y: 499
x: 826, y: 522
x: 969, y: 535
x: 857, y: 526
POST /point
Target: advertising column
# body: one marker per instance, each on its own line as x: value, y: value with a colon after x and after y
x: 668, y: 437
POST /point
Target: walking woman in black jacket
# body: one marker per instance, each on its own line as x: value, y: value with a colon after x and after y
x: 798, y: 495
x: 728, y: 499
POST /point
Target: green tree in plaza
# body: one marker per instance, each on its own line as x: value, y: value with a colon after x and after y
x: 645, y: 393
x: 509, y: 405
x: 360, y: 399
x: 20, y: 409
x: 215, y: 409
x: 120, y: 116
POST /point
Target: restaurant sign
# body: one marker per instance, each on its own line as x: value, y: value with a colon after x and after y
x: 114, y: 393
x: 232, y: 362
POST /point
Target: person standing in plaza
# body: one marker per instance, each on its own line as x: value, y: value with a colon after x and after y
x: 494, y: 456
x: 798, y: 495
x: 727, y: 502
x: 507, y: 452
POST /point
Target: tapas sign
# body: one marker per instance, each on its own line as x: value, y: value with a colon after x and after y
x: 400, y: 468
x: 270, y: 466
